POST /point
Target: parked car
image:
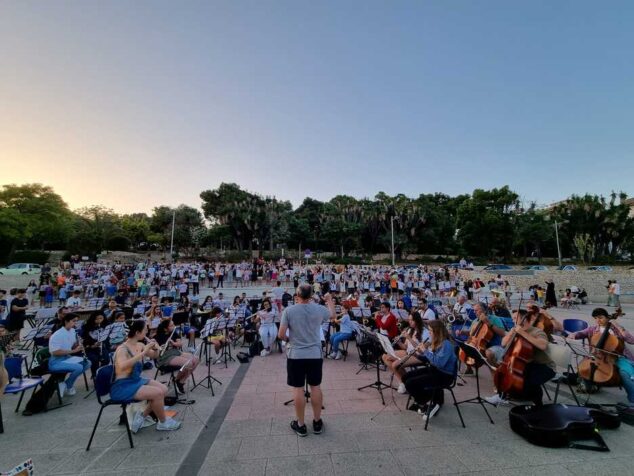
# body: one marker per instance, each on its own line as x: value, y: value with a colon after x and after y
x: 567, y: 267
x: 535, y: 267
x: 600, y: 268
x: 21, y: 268
x: 497, y: 267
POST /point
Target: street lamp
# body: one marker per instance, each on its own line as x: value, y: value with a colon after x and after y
x: 172, y: 239
x: 392, y: 218
x: 557, y: 239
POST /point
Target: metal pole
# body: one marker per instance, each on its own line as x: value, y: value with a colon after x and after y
x: 392, y: 229
x: 557, y: 238
x: 172, y: 240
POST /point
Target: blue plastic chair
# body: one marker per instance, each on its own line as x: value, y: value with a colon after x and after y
x: 17, y: 384
x: 575, y: 325
x: 103, y: 383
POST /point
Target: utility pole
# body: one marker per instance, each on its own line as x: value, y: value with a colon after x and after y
x: 557, y: 238
x: 392, y: 230
x: 172, y: 240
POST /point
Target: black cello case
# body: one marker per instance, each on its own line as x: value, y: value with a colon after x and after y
x: 557, y: 425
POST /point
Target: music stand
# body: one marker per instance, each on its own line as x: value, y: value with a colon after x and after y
x: 479, y: 360
x: 224, y: 324
x: 306, y: 396
x: 208, y: 380
x: 378, y: 384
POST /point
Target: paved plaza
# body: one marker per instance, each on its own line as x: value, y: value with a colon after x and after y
x: 248, y: 432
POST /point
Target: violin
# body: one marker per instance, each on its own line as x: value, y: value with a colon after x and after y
x: 509, y: 375
x: 479, y: 339
x: 601, y: 368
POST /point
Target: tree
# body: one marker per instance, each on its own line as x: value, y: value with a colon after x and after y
x: 187, y: 221
x: 40, y: 216
x: 486, y: 222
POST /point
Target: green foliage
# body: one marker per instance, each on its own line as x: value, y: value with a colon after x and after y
x: 30, y: 256
x: 486, y: 225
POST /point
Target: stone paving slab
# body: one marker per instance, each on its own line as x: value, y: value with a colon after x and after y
x: 362, y: 436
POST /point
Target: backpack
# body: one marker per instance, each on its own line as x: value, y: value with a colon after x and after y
x: 256, y: 348
x: 39, y: 399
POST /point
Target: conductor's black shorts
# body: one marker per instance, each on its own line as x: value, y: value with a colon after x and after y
x: 303, y: 370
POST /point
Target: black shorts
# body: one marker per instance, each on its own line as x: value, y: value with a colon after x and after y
x: 299, y: 371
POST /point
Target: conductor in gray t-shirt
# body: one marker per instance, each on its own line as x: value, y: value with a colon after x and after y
x: 304, y: 363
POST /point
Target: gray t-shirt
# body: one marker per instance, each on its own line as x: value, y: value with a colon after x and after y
x: 304, y: 330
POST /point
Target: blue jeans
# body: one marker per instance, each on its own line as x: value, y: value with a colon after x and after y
x: 75, y: 370
x: 337, y: 338
x: 626, y: 370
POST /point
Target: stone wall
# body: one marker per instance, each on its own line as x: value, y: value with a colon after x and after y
x: 592, y: 281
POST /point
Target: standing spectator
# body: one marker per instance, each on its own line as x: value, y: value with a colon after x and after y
x: 17, y: 311
x: 551, y: 297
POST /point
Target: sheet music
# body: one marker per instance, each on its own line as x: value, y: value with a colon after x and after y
x: 387, y: 345
x: 210, y: 327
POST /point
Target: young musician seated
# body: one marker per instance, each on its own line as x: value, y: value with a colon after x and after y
x: 407, y: 343
x: 345, y: 333
x: 494, y: 351
x: 441, y: 356
x: 93, y: 348
x: 62, y: 344
x: 217, y: 339
x: 625, y: 362
x: 129, y: 385
x: 543, y: 315
x: 268, y: 331
x: 174, y: 356
x: 540, y: 369
x: 385, y: 321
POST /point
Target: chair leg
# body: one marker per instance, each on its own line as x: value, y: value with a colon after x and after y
x: 457, y: 407
x: 546, y: 391
x: 92, y: 435
x: 557, y: 391
x: 127, y: 425
x: 1, y: 423
x: 17, y: 407
x: 85, y: 380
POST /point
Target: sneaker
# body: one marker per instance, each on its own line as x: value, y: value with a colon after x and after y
x: 318, y: 426
x: 148, y: 421
x: 337, y: 356
x: 469, y: 371
x: 300, y: 430
x: 495, y: 400
x: 332, y: 355
x: 432, y: 412
x: 401, y: 389
x: 71, y: 391
x: 181, y: 387
x: 263, y: 353
x: 168, y: 425
x: 137, y: 422
x: 62, y: 389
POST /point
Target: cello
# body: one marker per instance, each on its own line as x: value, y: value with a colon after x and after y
x: 601, y: 368
x: 479, y: 339
x: 509, y: 375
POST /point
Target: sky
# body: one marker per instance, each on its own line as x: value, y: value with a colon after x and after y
x: 136, y: 104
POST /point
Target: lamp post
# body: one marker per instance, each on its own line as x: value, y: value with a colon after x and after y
x: 557, y: 239
x: 392, y: 218
x: 172, y: 239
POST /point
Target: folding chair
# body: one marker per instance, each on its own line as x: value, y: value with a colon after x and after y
x: 17, y: 383
x: 103, y: 383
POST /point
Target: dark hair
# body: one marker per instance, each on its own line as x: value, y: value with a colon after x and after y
x: 69, y: 317
x: 163, y: 326
x: 266, y: 300
x: 90, y: 322
x: 21, y: 291
x: 117, y: 314
x: 418, y: 322
x: 386, y: 304
x: 422, y: 301
x: 305, y: 291
x: 135, y: 326
x: 599, y: 311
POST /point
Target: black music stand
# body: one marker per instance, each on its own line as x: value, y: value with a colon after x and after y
x: 208, y: 380
x: 378, y: 384
x: 479, y: 360
x: 224, y: 324
x: 306, y: 396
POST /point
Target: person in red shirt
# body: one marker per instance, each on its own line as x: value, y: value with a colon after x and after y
x: 386, y: 321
